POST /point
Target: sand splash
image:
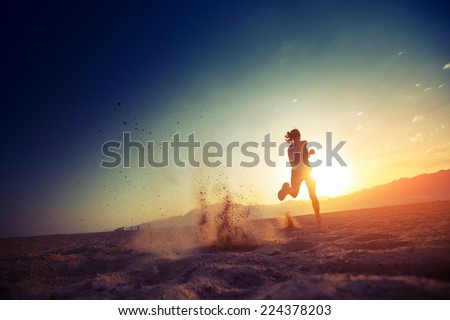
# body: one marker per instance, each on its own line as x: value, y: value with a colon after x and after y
x: 289, y: 222
x: 228, y: 224
x: 222, y: 225
x: 219, y: 222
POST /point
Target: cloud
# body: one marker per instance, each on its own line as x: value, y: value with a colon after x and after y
x: 360, y: 113
x: 441, y: 85
x: 417, y: 137
x: 417, y: 85
x: 446, y: 67
x: 359, y: 128
x: 400, y: 53
x: 427, y: 89
x: 294, y: 100
x: 441, y: 149
x: 418, y: 118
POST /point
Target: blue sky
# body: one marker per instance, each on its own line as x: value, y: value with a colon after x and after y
x: 77, y: 75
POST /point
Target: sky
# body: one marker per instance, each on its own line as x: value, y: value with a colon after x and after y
x: 375, y: 74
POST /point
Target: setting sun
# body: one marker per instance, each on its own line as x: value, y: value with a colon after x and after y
x: 332, y: 181
x: 291, y: 153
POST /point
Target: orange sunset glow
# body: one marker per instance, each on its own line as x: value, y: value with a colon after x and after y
x: 377, y: 84
x: 283, y: 153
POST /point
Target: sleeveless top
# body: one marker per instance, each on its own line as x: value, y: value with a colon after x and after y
x: 299, y: 158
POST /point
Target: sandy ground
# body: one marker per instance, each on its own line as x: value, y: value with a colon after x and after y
x: 398, y: 252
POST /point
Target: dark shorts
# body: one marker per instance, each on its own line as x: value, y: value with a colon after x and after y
x: 298, y: 176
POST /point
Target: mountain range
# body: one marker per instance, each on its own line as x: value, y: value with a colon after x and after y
x: 422, y: 188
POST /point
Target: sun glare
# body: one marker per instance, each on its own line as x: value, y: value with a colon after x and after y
x: 331, y: 181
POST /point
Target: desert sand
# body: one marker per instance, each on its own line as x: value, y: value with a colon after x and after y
x: 395, y: 252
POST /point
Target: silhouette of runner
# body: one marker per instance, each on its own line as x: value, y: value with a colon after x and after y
x: 301, y: 171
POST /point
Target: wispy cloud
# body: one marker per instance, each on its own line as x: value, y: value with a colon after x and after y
x: 446, y: 67
x: 418, y: 118
x: 417, y: 85
x: 441, y: 85
x: 417, y: 137
x: 442, y: 149
x: 427, y: 89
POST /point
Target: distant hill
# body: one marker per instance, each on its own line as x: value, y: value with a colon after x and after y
x: 422, y: 188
